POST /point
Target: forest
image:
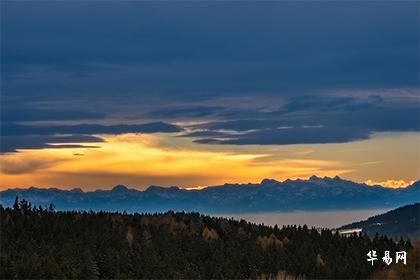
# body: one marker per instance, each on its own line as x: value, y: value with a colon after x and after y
x: 39, y: 242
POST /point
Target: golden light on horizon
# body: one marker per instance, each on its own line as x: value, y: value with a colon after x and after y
x: 140, y: 156
x: 142, y: 160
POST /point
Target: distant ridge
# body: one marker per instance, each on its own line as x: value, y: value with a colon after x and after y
x: 403, y: 221
x: 270, y: 195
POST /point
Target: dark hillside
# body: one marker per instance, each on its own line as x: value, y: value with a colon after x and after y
x: 403, y: 221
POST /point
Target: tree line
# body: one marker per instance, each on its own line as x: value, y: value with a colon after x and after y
x: 39, y: 242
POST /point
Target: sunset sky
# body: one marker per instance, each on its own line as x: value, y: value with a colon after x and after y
x: 199, y: 93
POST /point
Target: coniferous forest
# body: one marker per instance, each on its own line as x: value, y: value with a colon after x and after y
x: 42, y: 243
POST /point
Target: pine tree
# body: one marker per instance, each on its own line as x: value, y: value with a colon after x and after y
x: 16, y: 204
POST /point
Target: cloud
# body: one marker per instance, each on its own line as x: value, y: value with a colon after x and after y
x: 16, y: 129
x: 15, y: 166
x: 146, y: 62
x: 315, y: 119
x: 184, y: 112
x: 245, y: 124
x: 330, y: 103
x: 154, y: 159
x: 14, y: 143
x: 18, y: 113
x: 287, y: 136
x: 15, y: 136
x: 390, y: 183
x: 178, y: 49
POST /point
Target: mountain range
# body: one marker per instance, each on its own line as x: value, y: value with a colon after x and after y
x: 268, y: 196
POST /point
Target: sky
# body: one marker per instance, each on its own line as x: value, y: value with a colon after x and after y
x: 192, y: 94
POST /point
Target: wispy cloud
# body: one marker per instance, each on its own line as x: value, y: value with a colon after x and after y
x: 152, y: 159
x: 390, y: 183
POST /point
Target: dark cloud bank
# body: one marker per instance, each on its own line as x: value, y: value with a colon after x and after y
x: 15, y: 136
x: 159, y: 63
x: 306, y: 121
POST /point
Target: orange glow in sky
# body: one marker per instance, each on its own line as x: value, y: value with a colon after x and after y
x: 161, y: 159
